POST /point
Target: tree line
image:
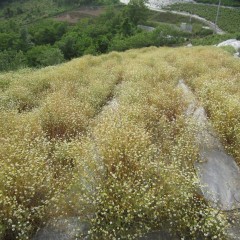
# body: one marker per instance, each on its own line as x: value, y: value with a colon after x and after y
x: 50, y: 42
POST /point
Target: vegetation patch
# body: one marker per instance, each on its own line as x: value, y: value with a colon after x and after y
x: 233, y: 3
x: 126, y: 170
x: 228, y: 18
x: 96, y: 30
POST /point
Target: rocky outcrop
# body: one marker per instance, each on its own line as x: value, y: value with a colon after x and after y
x: 218, y: 173
x: 64, y: 229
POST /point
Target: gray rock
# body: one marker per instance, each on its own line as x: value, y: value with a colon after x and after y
x: 64, y: 229
x: 218, y: 172
x: 219, y: 177
x: 146, y: 28
x: 159, y: 235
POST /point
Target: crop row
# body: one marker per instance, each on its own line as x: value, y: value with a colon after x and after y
x: 127, y: 167
x: 228, y: 18
x: 233, y: 3
x: 39, y: 110
x: 220, y: 94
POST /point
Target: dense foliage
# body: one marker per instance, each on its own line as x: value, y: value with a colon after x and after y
x: 48, y: 42
x: 228, y: 19
x: 105, y: 139
x: 214, y: 39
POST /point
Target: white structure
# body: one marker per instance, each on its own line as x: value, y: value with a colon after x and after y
x: 187, y: 27
x: 159, y: 3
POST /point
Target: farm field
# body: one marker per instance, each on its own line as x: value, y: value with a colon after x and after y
x: 168, y: 17
x: 233, y: 3
x: 228, y: 19
x: 106, y: 139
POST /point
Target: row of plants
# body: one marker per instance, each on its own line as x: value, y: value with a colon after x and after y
x: 232, y: 3
x: 127, y: 169
x: 40, y: 110
x: 228, y: 18
x: 219, y: 92
x: 148, y: 154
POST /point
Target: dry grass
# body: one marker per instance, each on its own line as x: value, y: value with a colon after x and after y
x: 129, y: 168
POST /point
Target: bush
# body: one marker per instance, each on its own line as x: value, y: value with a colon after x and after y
x: 12, y: 60
x: 41, y: 56
x: 229, y: 49
x: 64, y: 117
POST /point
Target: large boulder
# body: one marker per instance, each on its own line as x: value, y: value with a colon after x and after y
x: 218, y: 173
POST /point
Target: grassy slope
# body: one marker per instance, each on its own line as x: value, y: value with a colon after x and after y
x: 56, y: 139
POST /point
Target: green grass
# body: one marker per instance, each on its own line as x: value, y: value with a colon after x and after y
x: 228, y: 19
x: 213, y: 39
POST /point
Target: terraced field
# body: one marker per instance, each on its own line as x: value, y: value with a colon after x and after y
x: 228, y: 18
x: 106, y: 139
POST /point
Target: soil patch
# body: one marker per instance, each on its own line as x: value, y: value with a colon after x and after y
x: 83, y: 12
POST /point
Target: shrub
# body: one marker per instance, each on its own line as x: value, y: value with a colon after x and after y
x: 41, y: 56
x: 64, y: 117
x: 12, y: 60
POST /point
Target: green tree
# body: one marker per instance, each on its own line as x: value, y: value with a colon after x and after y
x: 8, y: 41
x: 102, y: 44
x: 68, y: 45
x: 25, y: 39
x: 8, y: 13
x: 127, y: 27
x: 41, y: 56
x: 12, y: 60
x: 47, y: 32
x: 136, y: 11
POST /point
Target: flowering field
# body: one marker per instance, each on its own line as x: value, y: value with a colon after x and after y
x: 105, y: 139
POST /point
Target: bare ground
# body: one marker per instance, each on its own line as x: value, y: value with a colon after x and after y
x: 76, y: 15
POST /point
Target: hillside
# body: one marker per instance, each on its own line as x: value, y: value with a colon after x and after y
x: 43, y: 33
x: 106, y: 140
